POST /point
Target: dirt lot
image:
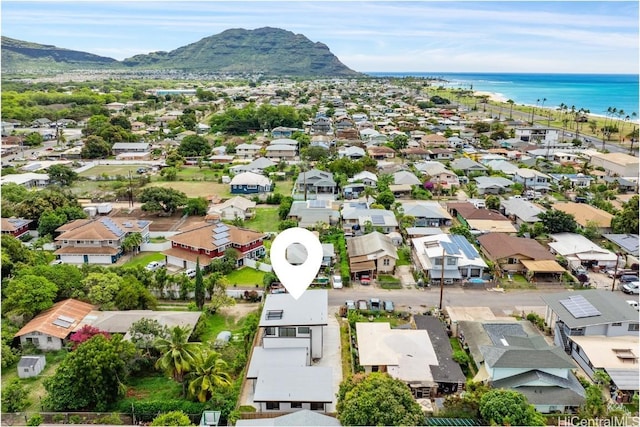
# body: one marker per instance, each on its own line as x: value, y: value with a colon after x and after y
x: 171, y: 223
x: 240, y: 310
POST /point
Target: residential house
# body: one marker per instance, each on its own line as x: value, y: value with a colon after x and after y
x: 208, y: 241
x: 367, y: 178
x: 130, y: 147
x: 628, y: 243
x: 96, y: 241
x: 533, y: 180
x: 28, y: 180
x: 371, y: 254
x: 575, y: 180
x: 447, y: 372
x: 521, y: 255
x: 589, y: 314
x: 120, y: 322
x: 406, y: 178
x: 16, y: 227
x: 586, y: 215
x: 316, y: 184
x: 521, y: 211
x: 250, y: 183
x: 256, y: 166
x: 616, y: 164
x: 367, y: 132
x: 236, y: 207
x: 426, y: 213
x: 616, y: 356
x: 353, y: 153
x: 438, y: 174
x: 309, y: 213
x: 405, y: 354
x: 468, y: 166
x: 624, y: 185
x: 283, y: 132
x: 502, y: 166
x: 248, y: 151
x: 285, y: 141
x: 448, y: 256
x: 537, y: 134
x: 578, y: 250
x: 281, y: 152
x: 441, y: 154
x: 50, y: 329
x: 434, y: 140
x: 416, y: 153
x: 513, y: 355
x: 321, y: 125
x: 492, y: 184
x: 291, y: 338
x: 348, y: 134
x: 381, y: 153
x: 480, y: 220
x: 355, y: 220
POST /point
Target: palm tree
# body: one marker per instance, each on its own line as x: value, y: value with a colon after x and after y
x: 472, y: 190
x: 209, y: 373
x: 132, y: 242
x: 177, y: 353
x: 510, y: 102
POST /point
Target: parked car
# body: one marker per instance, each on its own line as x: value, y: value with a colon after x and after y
x: 621, y: 272
x: 337, y: 282
x: 375, y: 303
x: 351, y: 305
x: 190, y: 273
x: 628, y: 278
x: 362, y: 305
x: 631, y: 288
x: 154, y: 265
x: 388, y: 306
x: 365, y: 279
x: 633, y: 303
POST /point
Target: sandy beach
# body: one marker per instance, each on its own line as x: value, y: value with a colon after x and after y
x: 497, y: 97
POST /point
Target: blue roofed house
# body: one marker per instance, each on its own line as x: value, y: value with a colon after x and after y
x: 250, y: 183
x: 318, y: 184
x: 283, y: 132
x: 448, y: 256
x: 533, y: 180
x: 426, y: 213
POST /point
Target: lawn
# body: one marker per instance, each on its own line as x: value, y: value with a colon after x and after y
x: 389, y: 282
x: 156, y: 386
x: 345, y: 350
x: 518, y: 281
x: 245, y: 276
x: 404, y: 254
x: 283, y: 187
x: 194, y: 173
x: 216, y: 323
x: 111, y: 170
x: 266, y: 219
x: 144, y: 258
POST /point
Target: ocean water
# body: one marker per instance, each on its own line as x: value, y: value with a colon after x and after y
x: 593, y: 92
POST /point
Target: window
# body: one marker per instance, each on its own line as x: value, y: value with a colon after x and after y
x: 287, y: 332
x: 49, y: 339
x: 616, y: 324
x: 270, y: 331
x: 386, y: 262
x: 375, y: 368
x: 26, y: 370
x: 273, y: 406
x: 296, y: 405
x: 451, y: 261
x: 317, y: 406
x: 634, y: 327
x: 438, y: 261
x: 304, y: 330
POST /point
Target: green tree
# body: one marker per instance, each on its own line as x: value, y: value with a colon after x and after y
x: 555, y: 221
x: 463, y: 231
x: 386, y: 199
x: 67, y: 278
x: 145, y: 332
x: 34, y: 139
x: 625, y: 221
x: 492, y: 202
x: 193, y: 146
x: 472, y: 190
x: 61, y: 174
x: 49, y: 221
x: 595, y: 404
x: 199, y: 289
x: 173, y: 418
x: 166, y: 200
x: 377, y: 399
x: 95, y: 148
x: 177, y: 353
x: 14, y: 254
x: 170, y: 173
x: 592, y: 230
x: 132, y: 242
x: 287, y: 223
x: 14, y: 397
x: 509, y: 408
x: 314, y: 154
x: 210, y: 372
x: 196, y: 206
x: 29, y: 295
x: 285, y: 207
x: 91, y: 377
x: 132, y: 295
x: 103, y: 288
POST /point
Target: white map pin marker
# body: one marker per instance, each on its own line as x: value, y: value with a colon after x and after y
x: 296, y: 278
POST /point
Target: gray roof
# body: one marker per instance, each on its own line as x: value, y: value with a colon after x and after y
x: 258, y: 164
x: 29, y: 361
x: 423, y: 231
x: 130, y: 146
x: 493, y: 181
x: 558, y: 391
x: 372, y: 243
x: 315, y: 175
x: 607, y: 303
x: 526, y: 352
x: 464, y: 163
x: 302, y: 418
x: 522, y: 209
x: 294, y: 384
x: 120, y: 321
x: 447, y: 369
x: 310, y: 309
x: 476, y: 336
x: 497, y: 331
x: 275, y: 357
x: 503, y: 166
x: 405, y: 177
x: 625, y: 379
x: 628, y: 242
x: 425, y: 210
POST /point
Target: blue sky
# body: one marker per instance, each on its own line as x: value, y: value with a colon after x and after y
x: 420, y: 36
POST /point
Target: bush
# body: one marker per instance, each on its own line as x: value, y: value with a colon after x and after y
x: 146, y: 410
x: 58, y: 418
x: 75, y: 419
x: 14, y: 397
x: 173, y: 418
x: 112, y: 419
x: 35, y: 420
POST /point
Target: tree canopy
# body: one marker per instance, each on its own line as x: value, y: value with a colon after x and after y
x: 509, y: 408
x: 194, y: 145
x: 166, y: 200
x: 29, y: 295
x: 555, y: 221
x: 627, y: 220
x: 377, y: 399
x: 61, y: 174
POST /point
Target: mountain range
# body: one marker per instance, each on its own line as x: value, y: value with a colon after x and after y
x: 268, y: 51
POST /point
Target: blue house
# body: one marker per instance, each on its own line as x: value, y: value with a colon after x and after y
x: 250, y: 183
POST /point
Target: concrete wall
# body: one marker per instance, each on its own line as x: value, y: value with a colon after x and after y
x: 43, y: 341
x: 262, y: 266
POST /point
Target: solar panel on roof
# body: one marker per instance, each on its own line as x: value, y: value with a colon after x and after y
x: 66, y: 319
x: 579, y: 307
x: 61, y: 323
x: 467, y: 249
x: 450, y: 248
x: 377, y: 219
x: 220, y: 242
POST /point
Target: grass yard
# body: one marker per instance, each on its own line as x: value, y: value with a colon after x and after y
x: 284, y: 187
x: 216, y: 323
x: 245, y: 276
x: 345, y: 350
x: 158, y: 386
x: 266, y: 219
x: 389, y: 282
x: 144, y: 258
x: 404, y: 256
x: 112, y: 170
x: 194, y: 173
x: 518, y: 282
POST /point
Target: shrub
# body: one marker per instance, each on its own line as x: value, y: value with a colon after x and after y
x: 174, y: 418
x: 112, y: 419
x: 75, y: 419
x: 58, y: 418
x: 14, y: 397
x: 35, y: 420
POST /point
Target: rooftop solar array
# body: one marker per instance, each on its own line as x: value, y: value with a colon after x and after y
x: 66, y: 318
x: 315, y: 204
x: 377, y: 219
x: 220, y: 228
x: 142, y: 223
x: 450, y: 248
x: 467, y: 249
x: 112, y: 226
x: 62, y: 323
x: 219, y: 241
x: 579, y: 307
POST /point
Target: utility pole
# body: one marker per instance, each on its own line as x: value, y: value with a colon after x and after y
x: 442, y: 279
x: 130, y: 191
x: 615, y: 272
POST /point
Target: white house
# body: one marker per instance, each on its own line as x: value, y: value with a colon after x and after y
x: 236, y: 207
x: 577, y: 249
x: 28, y: 180
x: 247, y: 151
x: 365, y: 177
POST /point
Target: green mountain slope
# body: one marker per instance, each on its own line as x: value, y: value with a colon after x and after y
x: 19, y: 55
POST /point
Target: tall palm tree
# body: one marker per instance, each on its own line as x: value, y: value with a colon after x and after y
x: 132, y: 242
x: 472, y: 190
x: 177, y: 353
x: 510, y: 102
x: 209, y: 372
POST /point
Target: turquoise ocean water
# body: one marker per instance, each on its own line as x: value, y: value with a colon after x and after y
x: 593, y: 92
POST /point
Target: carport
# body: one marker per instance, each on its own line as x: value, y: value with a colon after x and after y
x: 362, y: 265
x: 536, y: 268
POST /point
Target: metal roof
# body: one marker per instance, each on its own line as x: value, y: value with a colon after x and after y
x: 294, y: 384
x: 611, y: 308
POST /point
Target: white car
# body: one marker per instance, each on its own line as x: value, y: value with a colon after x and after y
x: 154, y: 265
x: 337, y: 282
x: 190, y: 273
